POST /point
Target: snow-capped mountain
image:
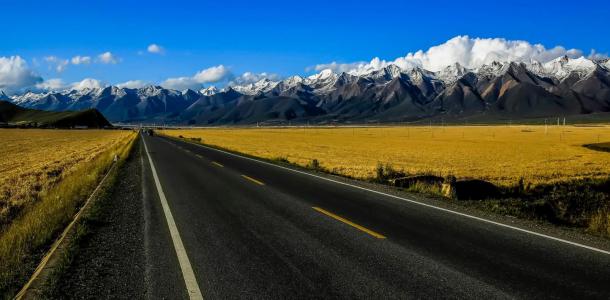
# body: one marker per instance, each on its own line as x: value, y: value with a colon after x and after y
x: 564, y: 86
x: 209, y: 91
x: 562, y: 67
x: 452, y: 73
x: 261, y: 86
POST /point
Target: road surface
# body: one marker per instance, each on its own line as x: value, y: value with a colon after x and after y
x: 240, y: 228
x: 251, y: 229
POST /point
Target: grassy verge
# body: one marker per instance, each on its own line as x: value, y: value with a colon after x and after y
x: 24, y: 242
x: 580, y: 203
x: 89, y: 220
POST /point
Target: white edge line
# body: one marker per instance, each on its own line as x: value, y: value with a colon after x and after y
x: 185, y: 265
x: 414, y: 202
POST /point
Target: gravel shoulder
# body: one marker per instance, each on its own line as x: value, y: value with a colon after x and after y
x: 109, y: 258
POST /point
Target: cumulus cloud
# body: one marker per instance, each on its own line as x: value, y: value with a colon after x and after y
x: 107, y: 58
x: 249, y: 77
x: 80, y: 60
x: 16, y: 75
x: 212, y: 74
x: 181, y: 83
x: 209, y: 75
x: 87, y: 83
x: 53, y: 84
x: 156, y: 49
x: 132, y: 84
x: 58, y: 63
x: 467, y: 51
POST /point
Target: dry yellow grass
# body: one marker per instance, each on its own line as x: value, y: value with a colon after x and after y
x: 500, y: 154
x: 33, y: 160
x: 46, y: 177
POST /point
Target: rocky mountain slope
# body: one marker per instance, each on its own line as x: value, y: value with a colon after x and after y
x: 497, y: 91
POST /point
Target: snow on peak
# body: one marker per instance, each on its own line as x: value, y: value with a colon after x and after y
x: 209, y: 91
x: 389, y: 72
x: 150, y: 90
x: 496, y: 68
x: 293, y: 80
x: 262, y: 86
x: 563, y: 66
x: 324, y: 74
x: 452, y: 73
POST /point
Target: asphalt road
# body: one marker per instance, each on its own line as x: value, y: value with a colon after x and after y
x: 246, y: 229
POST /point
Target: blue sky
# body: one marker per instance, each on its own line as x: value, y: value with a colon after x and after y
x: 281, y: 37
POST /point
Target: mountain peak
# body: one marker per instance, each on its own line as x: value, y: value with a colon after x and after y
x: 324, y: 74
x: 3, y: 96
x: 452, y: 73
x: 562, y: 67
x: 209, y: 91
x: 262, y: 86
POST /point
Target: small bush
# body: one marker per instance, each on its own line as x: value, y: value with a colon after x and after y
x: 425, y: 188
x: 383, y: 173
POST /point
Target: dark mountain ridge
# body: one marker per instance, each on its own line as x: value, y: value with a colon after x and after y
x: 563, y: 87
x: 12, y: 115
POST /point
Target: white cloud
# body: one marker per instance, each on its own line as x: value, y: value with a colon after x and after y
x: 80, y: 60
x: 469, y: 52
x: 58, y: 63
x: 53, y: 84
x: 16, y: 75
x: 594, y: 55
x: 209, y: 75
x: 154, y: 48
x: 87, y: 83
x: 132, y: 84
x: 212, y: 74
x: 108, y: 58
x: 181, y: 83
x: 249, y: 77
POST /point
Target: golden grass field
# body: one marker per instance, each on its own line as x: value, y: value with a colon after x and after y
x: 45, y: 176
x: 34, y: 159
x: 500, y: 154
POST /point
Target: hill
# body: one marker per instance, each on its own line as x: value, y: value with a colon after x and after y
x: 13, y: 115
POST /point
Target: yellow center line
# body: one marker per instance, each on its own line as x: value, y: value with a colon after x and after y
x: 253, y: 180
x: 217, y: 164
x: 350, y: 223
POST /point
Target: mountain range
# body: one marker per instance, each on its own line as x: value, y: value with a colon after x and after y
x: 497, y: 91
